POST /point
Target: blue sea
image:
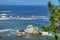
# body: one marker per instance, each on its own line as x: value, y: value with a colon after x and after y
x: 8, y: 28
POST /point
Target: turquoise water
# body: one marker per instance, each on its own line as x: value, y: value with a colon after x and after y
x: 8, y: 28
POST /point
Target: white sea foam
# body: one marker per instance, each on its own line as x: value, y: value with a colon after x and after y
x: 12, y: 31
x: 46, y: 33
x: 7, y: 18
x: 45, y: 18
x: 4, y: 18
x: 32, y: 18
x: 4, y: 30
x: 18, y: 18
x: 3, y: 14
x: 27, y: 18
x: 21, y: 18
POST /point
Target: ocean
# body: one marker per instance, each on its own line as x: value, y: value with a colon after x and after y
x: 8, y: 28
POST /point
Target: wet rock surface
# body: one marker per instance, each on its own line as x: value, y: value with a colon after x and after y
x: 30, y: 30
x: 1, y: 36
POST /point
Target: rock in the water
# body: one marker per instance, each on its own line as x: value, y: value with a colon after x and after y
x: 1, y: 36
x: 21, y: 30
x: 32, y: 30
x: 20, y: 35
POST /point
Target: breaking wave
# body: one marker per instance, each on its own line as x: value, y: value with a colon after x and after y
x: 4, y: 30
x: 46, y: 33
x: 22, y: 18
x: 14, y: 32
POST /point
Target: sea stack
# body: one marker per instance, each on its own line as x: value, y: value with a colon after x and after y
x: 32, y: 30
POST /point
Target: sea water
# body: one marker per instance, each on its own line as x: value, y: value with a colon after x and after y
x: 8, y: 28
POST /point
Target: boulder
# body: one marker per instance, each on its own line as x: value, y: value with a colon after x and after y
x: 20, y: 35
x: 32, y: 30
x: 21, y: 30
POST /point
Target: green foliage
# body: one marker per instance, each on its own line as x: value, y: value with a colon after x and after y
x: 55, y: 37
x: 45, y: 28
x: 59, y: 0
x: 54, y: 19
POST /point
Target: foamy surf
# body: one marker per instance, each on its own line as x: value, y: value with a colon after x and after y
x: 43, y: 33
x: 13, y: 32
x: 4, y: 18
x: 45, y: 18
x: 22, y: 18
x: 27, y: 18
x: 4, y: 30
x: 46, y: 33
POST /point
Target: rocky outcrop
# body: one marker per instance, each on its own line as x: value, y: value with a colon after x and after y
x: 30, y: 30
x: 21, y: 30
x: 20, y: 35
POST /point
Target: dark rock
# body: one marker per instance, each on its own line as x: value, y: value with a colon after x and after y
x: 34, y: 33
x: 20, y: 35
x: 40, y: 33
x: 21, y: 30
x: 1, y: 36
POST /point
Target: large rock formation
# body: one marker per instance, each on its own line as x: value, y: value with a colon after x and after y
x: 29, y: 31
x: 32, y: 29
